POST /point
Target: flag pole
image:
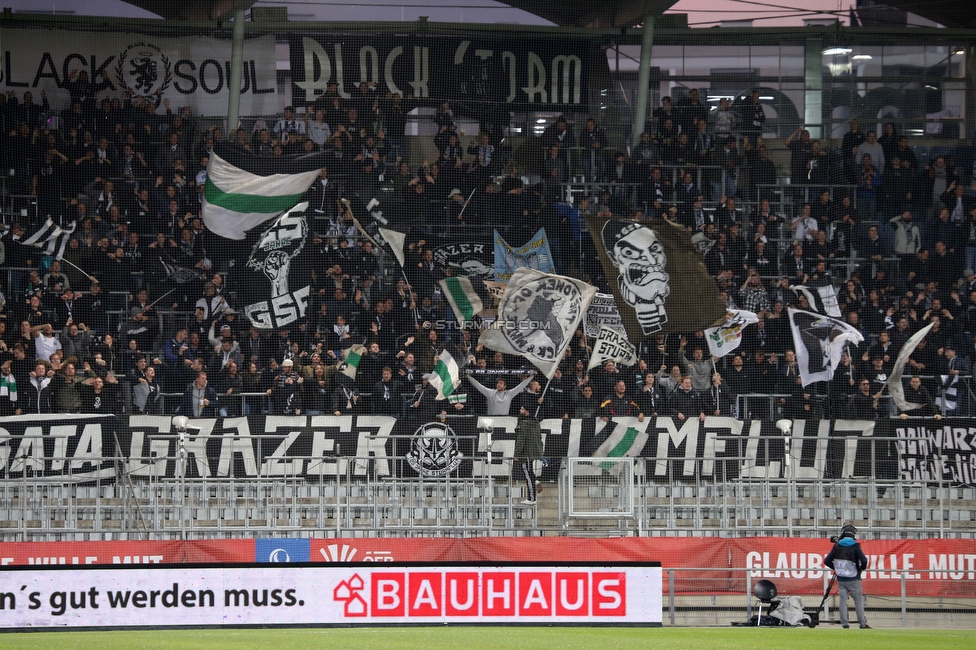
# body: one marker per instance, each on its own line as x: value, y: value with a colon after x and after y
x: 542, y: 397
x: 150, y: 305
x: 88, y: 275
x: 464, y: 207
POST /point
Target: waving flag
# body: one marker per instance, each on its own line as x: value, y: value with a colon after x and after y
x: 659, y: 281
x: 446, y: 375
x: 822, y: 297
x: 895, y: 388
x: 534, y: 254
x: 819, y: 342
x: 726, y: 337
x: 50, y: 237
x: 537, y: 317
x: 243, y: 191
x: 612, y: 345
x: 626, y: 440
x: 352, y: 356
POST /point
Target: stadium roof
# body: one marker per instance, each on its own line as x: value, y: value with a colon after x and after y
x: 951, y: 13
x: 570, y: 13
x: 565, y: 13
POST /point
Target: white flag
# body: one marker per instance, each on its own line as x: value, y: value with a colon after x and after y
x: 237, y: 199
x: 727, y: 336
x: 895, y: 388
x: 537, y: 317
x: 819, y: 342
x: 395, y: 240
x: 612, y: 345
x: 822, y: 299
x: 446, y: 375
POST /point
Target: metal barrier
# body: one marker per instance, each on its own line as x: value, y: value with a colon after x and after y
x: 351, y: 496
x: 694, y: 596
x: 602, y: 488
x: 360, y: 497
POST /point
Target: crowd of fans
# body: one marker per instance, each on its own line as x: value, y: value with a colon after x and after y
x: 896, y: 234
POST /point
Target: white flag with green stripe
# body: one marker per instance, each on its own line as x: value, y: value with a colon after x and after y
x: 236, y: 200
x: 446, y: 375
x: 352, y: 357
x: 626, y: 440
x: 464, y: 297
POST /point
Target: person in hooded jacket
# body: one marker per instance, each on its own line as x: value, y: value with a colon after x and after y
x: 848, y: 562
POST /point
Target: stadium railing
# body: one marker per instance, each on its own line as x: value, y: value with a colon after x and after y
x: 337, y: 494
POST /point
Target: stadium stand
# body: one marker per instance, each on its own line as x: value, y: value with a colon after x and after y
x: 144, y: 297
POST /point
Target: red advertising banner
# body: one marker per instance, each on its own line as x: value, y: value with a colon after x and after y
x: 705, y: 552
x: 134, y: 552
x: 933, y: 567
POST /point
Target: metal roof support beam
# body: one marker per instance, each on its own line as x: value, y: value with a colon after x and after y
x: 969, y: 123
x: 643, y: 78
x: 813, y: 87
x: 236, y: 64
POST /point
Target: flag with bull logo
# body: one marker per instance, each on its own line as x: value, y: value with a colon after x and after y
x: 537, y: 317
x: 659, y: 281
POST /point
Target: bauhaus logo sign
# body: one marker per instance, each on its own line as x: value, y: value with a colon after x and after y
x: 465, y: 594
x: 277, y: 591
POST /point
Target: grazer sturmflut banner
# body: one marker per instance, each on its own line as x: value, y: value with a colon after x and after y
x: 723, y: 448
x: 58, y: 447
x: 552, y: 72
x: 191, y: 71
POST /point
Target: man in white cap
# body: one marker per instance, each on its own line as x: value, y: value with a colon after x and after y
x: 455, y: 207
x: 287, y: 390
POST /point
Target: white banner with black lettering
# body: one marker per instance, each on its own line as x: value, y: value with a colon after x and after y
x: 193, y: 71
x: 602, y: 312
x: 288, y: 594
x: 612, y: 345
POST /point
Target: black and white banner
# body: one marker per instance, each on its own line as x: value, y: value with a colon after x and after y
x: 539, y: 71
x: 936, y: 451
x: 612, y: 345
x: 601, y: 313
x: 192, y: 71
x: 68, y: 448
x: 820, y: 342
x: 58, y: 447
x: 474, y: 260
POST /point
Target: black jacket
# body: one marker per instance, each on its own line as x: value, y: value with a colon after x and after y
x: 847, y: 557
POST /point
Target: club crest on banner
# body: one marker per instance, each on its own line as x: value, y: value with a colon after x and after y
x: 475, y: 260
x: 143, y: 69
x: 434, y: 451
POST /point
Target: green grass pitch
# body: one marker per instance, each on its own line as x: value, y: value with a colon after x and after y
x: 475, y: 638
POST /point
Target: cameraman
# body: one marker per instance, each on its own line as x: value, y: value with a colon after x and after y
x: 848, y: 561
